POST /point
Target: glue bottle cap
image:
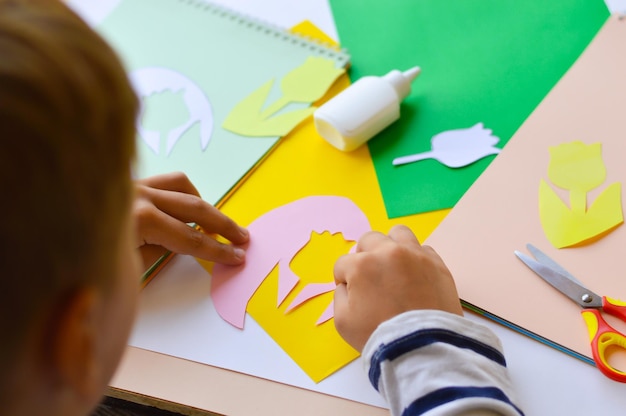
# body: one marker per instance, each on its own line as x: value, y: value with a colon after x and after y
x: 401, y: 81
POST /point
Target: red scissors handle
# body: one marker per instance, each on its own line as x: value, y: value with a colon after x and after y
x: 603, y: 336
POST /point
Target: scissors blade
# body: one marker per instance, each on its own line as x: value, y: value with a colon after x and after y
x: 573, y: 290
x: 545, y: 259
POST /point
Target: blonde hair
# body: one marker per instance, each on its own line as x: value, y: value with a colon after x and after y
x: 67, y: 126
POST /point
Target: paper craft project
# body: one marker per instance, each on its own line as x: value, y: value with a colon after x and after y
x: 501, y: 212
x: 316, y: 347
x: 483, y: 60
x: 304, y: 84
x: 457, y: 148
x: 276, y: 237
x: 152, y: 80
x: 192, y: 62
x: 177, y: 316
x: 578, y: 168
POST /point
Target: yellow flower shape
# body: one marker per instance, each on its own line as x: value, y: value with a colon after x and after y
x: 576, y: 166
x: 309, y: 81
x: 304, y: 84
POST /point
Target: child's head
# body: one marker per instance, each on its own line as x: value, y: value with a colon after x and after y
x: 68, y: 274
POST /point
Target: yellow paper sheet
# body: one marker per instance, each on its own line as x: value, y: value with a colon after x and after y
x: 318, y: 349
x: 308, y: 29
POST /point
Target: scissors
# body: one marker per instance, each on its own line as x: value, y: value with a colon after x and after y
x: 601, y: 334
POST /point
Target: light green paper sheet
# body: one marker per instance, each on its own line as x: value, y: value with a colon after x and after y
x: 482, y: 61
x: 227, y: 58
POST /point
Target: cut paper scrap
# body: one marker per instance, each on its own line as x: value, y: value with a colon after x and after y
x: 152, y: 80
x: 275, y: 238
x: 308, y: 29
x: 457, y: 148
x: 305, y: 84
x: 310, y: 291
x: 578, y: 168
x: 317, y: 349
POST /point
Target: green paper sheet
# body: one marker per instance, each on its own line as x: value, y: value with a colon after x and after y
x: 227, y: 56
x: 483, y: 61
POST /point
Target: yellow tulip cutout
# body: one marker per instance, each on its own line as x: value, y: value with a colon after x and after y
x: 578, y: 168
x: 304, y: 84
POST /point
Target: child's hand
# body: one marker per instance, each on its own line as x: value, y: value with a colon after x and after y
x: 386, y: 276
x: 164, y: 205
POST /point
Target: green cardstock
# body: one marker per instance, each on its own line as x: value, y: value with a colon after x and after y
x: 216, y: 58
x: 483, y: 61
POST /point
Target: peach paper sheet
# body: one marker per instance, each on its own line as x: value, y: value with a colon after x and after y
x: 500, y: 213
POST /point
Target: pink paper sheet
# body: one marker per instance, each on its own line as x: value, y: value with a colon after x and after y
x: 275, y: 238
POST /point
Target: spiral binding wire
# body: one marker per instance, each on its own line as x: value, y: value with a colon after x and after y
x: 341, y: 56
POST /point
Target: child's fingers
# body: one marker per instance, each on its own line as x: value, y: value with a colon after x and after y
x: 164, y: 206
x: 173, y: 181
x: 341, y: 300
x: 189, y: 208
x: 339, y: 269
x: 341, y: 311
x: 161, y: 229
x: 370, y: 240
x: 398, y: 233
x: 403, y: 234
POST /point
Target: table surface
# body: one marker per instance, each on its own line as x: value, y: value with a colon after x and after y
x: 547, y: 381
x: 118, y: 407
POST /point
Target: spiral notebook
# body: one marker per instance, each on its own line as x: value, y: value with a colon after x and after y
x: 192, y: 62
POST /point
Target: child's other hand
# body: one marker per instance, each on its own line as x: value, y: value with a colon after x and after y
x: 386, y: 276
x: 163, y: 207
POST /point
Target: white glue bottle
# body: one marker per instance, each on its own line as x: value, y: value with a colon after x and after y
x: 362, y: 110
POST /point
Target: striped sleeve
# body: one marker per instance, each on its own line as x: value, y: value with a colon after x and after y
x: 431, y: 363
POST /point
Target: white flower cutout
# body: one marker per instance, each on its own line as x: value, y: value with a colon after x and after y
x: 457, y: 148
x: 151, y: 80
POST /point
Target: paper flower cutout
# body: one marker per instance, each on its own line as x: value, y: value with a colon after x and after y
x: 457, y: 148
x: 150, y: 80
x: 309, y: 81
x: 578, y: 168
x: 275, y: 239
x: 317, y: 349
x: 304, y: 84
